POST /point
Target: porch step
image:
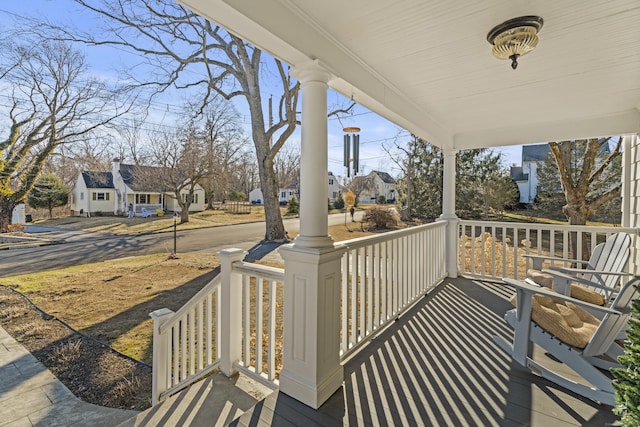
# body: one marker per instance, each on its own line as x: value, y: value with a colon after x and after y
x: 213, y: 401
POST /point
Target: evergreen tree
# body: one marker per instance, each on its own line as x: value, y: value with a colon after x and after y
x: 48, y: 192
x: 293, y: 206
x: 339, y: 203
x: 549, y: 197
x: 627, y: 383
x: 478, y: 173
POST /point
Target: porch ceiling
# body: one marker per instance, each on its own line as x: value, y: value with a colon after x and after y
x: 427, y: 66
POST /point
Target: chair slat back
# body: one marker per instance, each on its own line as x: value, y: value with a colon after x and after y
x: 611, y: 325
x: 613, y: 257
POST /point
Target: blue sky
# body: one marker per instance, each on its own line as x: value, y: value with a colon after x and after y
x: 106, y: 62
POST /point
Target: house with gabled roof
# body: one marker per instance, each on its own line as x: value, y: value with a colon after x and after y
x: 369, y: 188
x: 126, y: 184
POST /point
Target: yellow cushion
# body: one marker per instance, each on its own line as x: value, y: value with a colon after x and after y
x: 566, y: 321
x: 577, y: 291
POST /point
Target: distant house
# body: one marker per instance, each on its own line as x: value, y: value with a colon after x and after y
x: 370, y: 187
x: 292, y: 190
x: 112, y: 192
x: 526, y: 176
x: 284, y: 194
x: 334, y: 187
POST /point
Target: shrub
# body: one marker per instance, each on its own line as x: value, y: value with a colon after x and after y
x: 329, y: 205
x: 382, y: 200
x: 627, y: 383
x: 293, y: 206
x: 380, y: 217
x: 339, y: 203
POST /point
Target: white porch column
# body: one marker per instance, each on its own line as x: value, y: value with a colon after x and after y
x: 449, y: 210
x: 314, y: 162
x: 311, y: 370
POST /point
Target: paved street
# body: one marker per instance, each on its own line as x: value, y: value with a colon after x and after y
x: 88, y: 248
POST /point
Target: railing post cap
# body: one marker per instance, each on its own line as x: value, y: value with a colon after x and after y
x: 160, y: 313
x: 229, y: 252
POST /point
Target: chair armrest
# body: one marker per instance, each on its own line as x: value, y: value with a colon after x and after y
x: 537, y: 260
x: 556, y: 272
x: 530, y: 289
x: 571, y: 271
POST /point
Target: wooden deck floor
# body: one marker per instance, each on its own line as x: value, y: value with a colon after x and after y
x: 438, y: 365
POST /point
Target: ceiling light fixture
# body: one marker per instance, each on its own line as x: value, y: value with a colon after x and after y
x: 515, y: 37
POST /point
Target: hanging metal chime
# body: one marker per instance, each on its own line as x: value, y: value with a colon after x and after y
x: 351, y: 163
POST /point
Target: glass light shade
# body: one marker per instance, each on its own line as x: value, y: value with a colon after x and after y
x: 517, y: 41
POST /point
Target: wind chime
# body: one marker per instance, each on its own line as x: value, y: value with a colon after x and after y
x: 351, y: 163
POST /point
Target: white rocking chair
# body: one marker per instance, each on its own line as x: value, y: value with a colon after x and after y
x: 600, y: 351
x: 598, y: 278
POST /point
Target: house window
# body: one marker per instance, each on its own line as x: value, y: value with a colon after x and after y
x: 100, y: 196
x: 330, y: 181
x: 335, y: 194
x: 283, y: 195
x: 82, y: 195
x: 143, y: 198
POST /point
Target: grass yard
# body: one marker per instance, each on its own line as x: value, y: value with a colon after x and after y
x: 112, y: 300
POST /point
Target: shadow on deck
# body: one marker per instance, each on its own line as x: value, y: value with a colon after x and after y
x: 438, y: 365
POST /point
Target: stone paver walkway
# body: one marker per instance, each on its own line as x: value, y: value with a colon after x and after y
x: 30, y: 395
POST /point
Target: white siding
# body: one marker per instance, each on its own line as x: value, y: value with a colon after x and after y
x: 79, y: 197
x: 630, y: 194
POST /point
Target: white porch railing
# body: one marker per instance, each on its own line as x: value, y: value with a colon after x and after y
x: 203, y: 335
x: 492, y: 250
x: 186, y: 343
x: 235, y: 322
x: 383, y: 275
x: 262, y: 294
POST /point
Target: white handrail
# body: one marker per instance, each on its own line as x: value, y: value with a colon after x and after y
x: 189, y: 305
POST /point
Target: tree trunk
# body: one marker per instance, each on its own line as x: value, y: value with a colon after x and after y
x: 6, y: 211
x: 274, y: 228
x: 577, y: 214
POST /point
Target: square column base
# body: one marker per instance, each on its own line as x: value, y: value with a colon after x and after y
x: 311, y: 369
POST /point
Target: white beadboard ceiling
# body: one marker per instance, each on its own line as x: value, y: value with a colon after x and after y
x: 427, y: 66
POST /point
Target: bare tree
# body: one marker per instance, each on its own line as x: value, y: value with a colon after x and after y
x: 184, y: 51
x: 52, y: 104
x: 287, y: 165
x: 404, y: 158
x: 181, y: 161
x: 225, y: 144
x: 590, y: 177
x: 363, y: 184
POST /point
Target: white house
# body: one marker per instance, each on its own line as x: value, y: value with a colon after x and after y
x: 334, y: 187
x: 370, y: 187
x: 93, y: 193
x: 284, y: 194
x: 526, y: 176
x: 124, y: 185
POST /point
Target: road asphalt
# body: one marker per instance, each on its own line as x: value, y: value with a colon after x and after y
x: 77, y: 247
